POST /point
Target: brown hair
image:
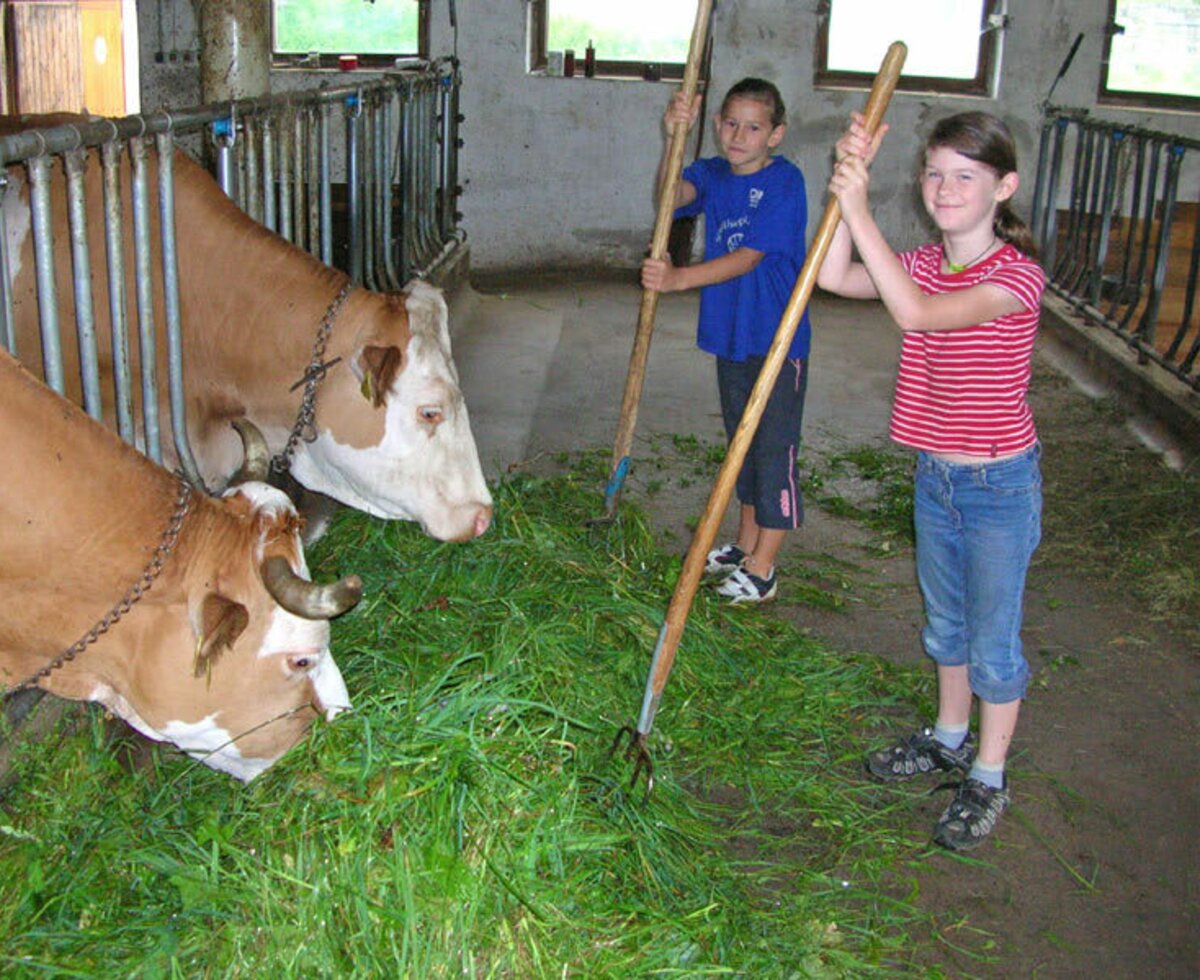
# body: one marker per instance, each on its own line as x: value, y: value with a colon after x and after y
x: 982, y: 137
x: 760, y: 90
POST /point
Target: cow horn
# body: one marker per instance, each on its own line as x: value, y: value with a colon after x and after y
x: 256, y: 457
x: 304, y: 598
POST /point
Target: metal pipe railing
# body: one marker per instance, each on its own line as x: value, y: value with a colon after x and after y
x: 1111, y: 256
x: 170, y: 271
x: 275, y: 157
x: 143, y: 280
x: 81, y: 261
x: 117, y: 304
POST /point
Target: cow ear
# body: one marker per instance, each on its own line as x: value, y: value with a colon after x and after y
x: 222, y: 621
x: 428, y: 315
x: 377, y: 368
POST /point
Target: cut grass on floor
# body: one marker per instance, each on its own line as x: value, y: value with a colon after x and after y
x: 465, y: 818
x: 1115, y: 512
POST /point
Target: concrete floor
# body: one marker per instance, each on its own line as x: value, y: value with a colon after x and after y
x: 543, y: 368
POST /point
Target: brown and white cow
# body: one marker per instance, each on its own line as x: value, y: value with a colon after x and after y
x: 209, y: 658
x: 393, y: 435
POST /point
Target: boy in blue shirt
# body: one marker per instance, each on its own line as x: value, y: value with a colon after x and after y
x: 755, y: 215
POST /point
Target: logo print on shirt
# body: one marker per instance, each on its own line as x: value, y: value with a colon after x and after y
x: 756, y: 195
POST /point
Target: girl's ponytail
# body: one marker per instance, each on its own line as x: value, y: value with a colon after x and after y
x: 1010, y: 228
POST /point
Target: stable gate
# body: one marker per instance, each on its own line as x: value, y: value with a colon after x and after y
x: 1125, y: 251
x: 394, y: 142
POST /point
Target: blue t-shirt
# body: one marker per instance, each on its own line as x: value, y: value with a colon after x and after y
x: 766, y: 211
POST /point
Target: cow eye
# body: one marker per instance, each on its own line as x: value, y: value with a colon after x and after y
x: 302, y: 662
x: 431, y: 414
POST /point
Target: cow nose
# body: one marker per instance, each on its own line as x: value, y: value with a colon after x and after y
x: 483, y: 520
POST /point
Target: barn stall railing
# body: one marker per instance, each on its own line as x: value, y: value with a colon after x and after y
x: 1118, y: 243
x: 394, y: 138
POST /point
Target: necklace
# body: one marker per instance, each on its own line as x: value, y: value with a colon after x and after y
x: 955, y: 267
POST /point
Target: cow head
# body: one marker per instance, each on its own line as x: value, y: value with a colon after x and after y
x: 394, y: 437
x: 238, y: 678
x: 223, y: 650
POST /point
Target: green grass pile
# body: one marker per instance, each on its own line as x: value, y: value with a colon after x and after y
x: 466, y: 819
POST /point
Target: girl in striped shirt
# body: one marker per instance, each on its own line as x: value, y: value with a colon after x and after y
x: 968, y: 307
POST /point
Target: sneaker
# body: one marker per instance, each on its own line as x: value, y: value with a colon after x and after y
x: 724, y: 561
x: 742, y: 586
x: 971, y: 815
x: 918, y: 754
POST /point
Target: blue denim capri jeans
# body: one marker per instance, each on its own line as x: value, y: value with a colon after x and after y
x: 977, y: 527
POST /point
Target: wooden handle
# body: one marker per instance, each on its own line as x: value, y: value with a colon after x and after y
x: 658, y: 248
x: 877, y: 103
x: 706, y: 532
x: 679, y: 134
x: 885, y: 84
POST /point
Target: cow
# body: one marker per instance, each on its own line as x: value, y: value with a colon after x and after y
x: 391, y: 434
x: 225, y: 653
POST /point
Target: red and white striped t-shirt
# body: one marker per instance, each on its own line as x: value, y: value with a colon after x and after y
x: 963, y: 391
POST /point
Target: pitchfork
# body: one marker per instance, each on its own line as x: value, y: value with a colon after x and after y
x: 693, y: 565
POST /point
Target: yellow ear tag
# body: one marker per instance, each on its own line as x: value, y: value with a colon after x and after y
x: 368, y: 388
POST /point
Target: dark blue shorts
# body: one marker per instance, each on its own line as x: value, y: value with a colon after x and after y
x: 769, y: 478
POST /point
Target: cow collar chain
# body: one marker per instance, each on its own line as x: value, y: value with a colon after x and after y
x: 314, y: 374
x: 157, y: 562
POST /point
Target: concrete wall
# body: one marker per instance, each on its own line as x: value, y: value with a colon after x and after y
x: 557, y: 172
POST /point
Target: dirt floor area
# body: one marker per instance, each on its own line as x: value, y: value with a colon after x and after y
x: 1094, y: 871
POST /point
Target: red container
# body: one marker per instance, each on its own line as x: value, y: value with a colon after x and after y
x: 348, y: 62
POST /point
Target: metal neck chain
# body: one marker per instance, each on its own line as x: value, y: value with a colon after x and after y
x: 139, y: 588
x: 305, y: 427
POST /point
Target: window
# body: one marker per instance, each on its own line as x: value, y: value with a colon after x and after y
x: 1152, y: 54
x: 631, y: 38
x: 950, y: 42
x: 316, y: 33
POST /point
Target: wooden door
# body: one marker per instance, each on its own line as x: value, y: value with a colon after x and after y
x: 103, y: 58
x: 47, y: 68
x: 5, y: 104
x: 66, y: 56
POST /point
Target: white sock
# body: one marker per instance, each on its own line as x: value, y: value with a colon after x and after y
x: 951, y: 736
x: 987, y: 774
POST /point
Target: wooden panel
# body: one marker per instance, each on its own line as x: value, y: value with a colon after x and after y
x: 47, y: 64
x: 5, y: 106
x: 1174, y: 296
x: 103, y: 60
